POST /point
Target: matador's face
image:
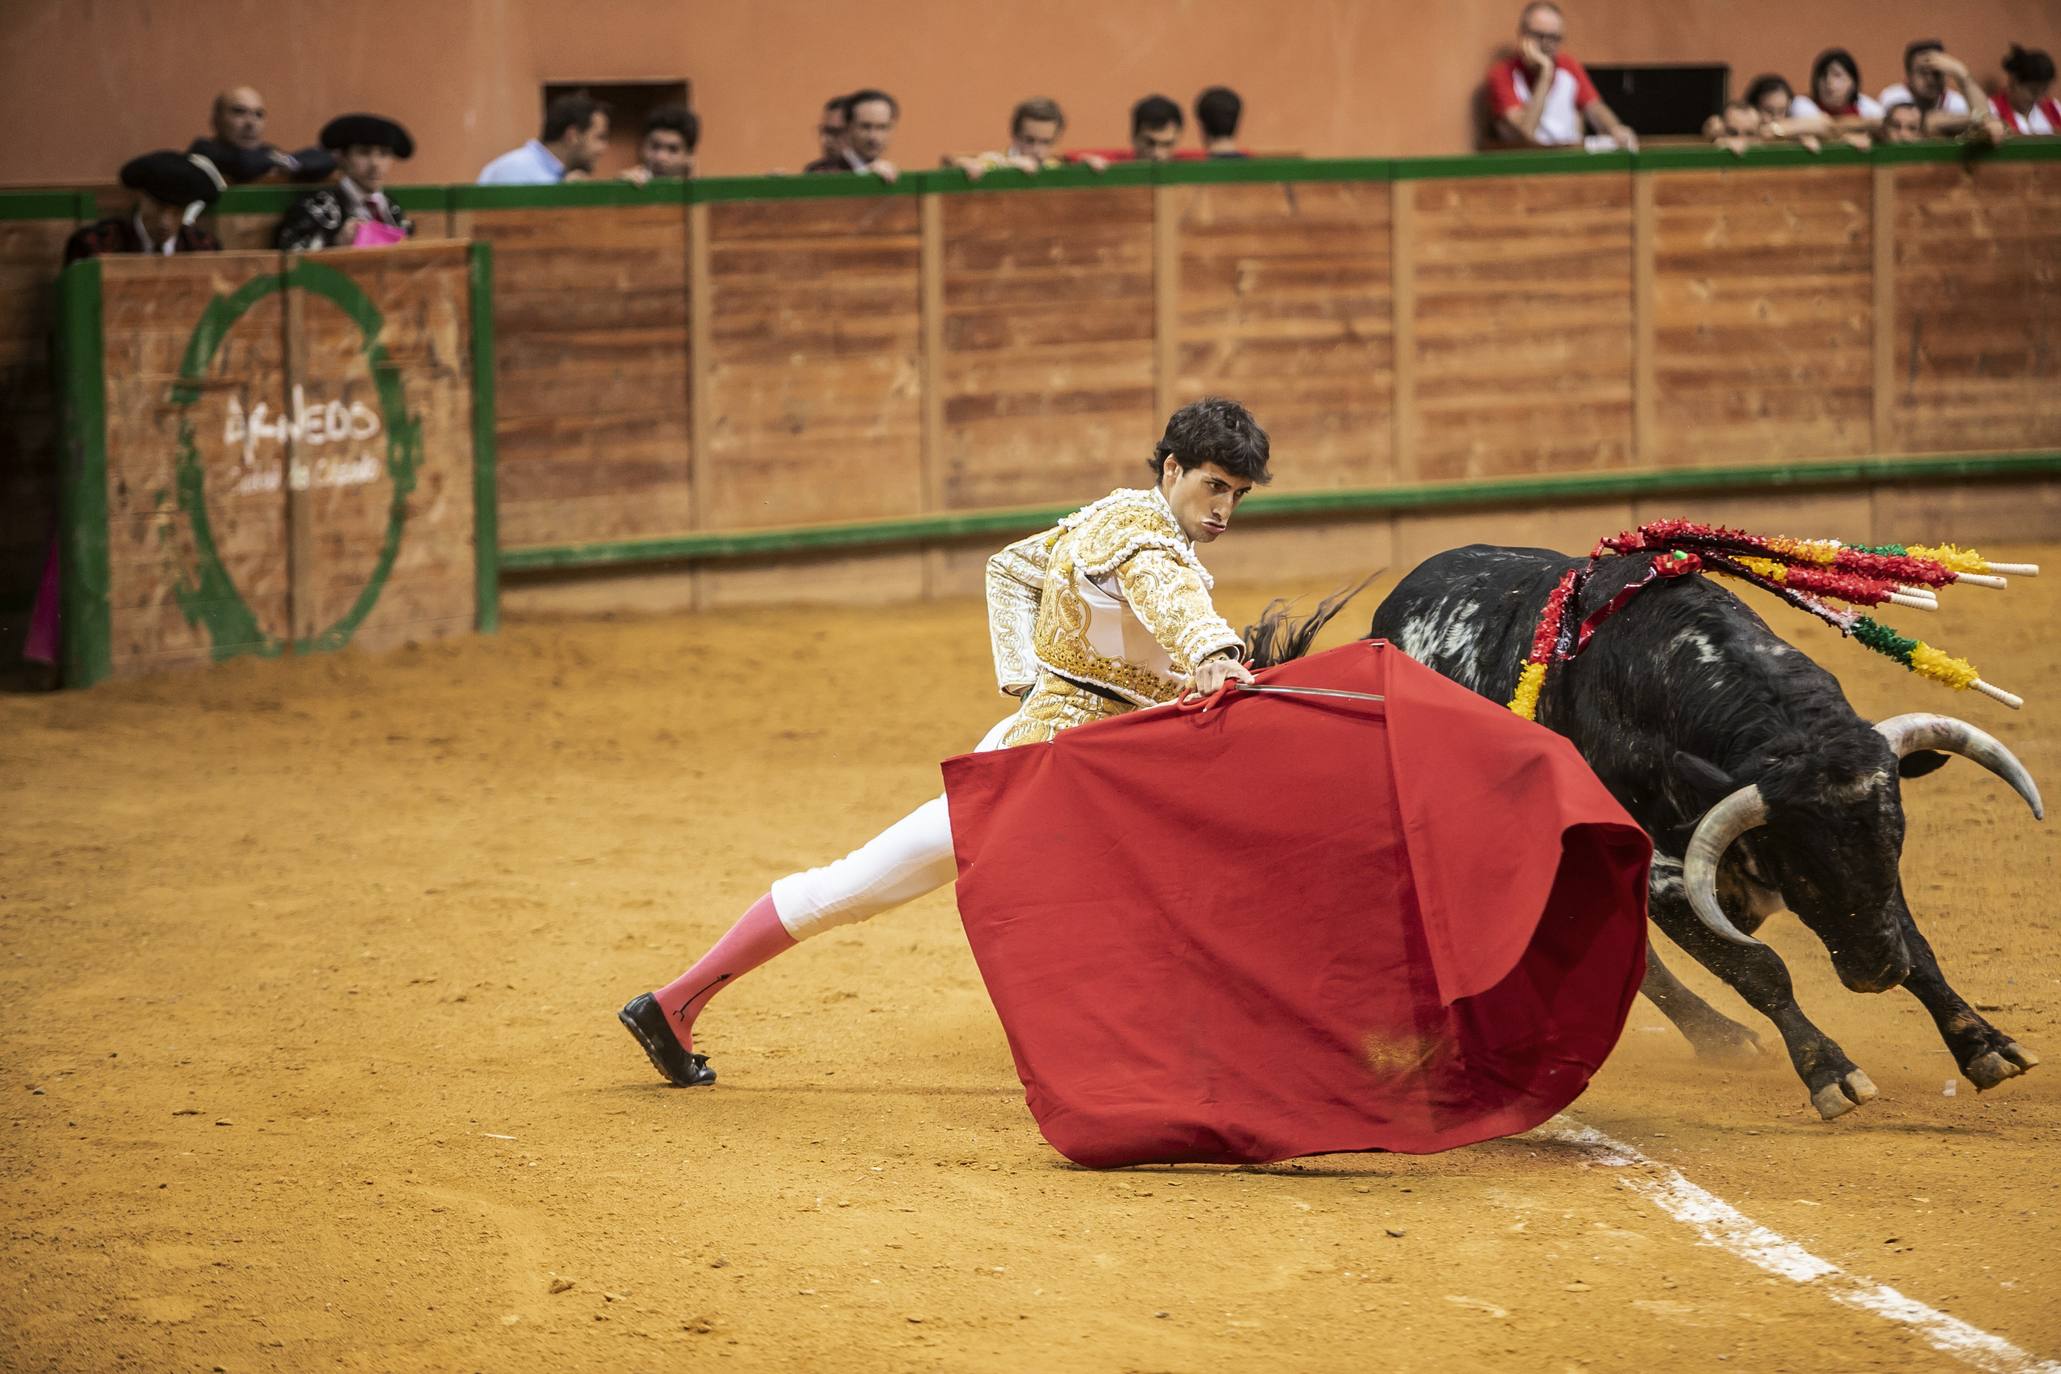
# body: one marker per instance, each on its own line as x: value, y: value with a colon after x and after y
x: 1203, y: 497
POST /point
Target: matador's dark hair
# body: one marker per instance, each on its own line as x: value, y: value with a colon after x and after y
x: 1214, y: 430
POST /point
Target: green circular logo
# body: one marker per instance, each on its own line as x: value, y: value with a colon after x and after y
x: 209, y: 597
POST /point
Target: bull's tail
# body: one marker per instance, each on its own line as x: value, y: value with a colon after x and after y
x: 1279, y: 635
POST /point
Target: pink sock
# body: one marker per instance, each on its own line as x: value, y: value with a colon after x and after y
x: 757, y: 937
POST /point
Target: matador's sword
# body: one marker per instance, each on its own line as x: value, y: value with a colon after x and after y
x: 1308, y: 691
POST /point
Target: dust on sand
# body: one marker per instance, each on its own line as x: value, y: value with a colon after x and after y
x: 308, y: 973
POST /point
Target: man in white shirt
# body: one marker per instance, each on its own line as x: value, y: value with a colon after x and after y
x: 1541, y: 95
x: 575, y: 133
x: 1944, y: 108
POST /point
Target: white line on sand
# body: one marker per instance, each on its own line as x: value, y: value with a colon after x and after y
x: 1719, y: 1223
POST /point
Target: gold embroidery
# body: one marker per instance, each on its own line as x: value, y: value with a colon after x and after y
x: 1130, y: 546
x: 1056, y: 705
x: 1015, y: 582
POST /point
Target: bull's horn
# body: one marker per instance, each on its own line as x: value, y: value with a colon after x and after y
x: 1923, y: 730
x: 1738, y: 813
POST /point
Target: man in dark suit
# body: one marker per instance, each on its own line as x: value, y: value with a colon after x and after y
x: 239, y: 149
x: 357, y: 210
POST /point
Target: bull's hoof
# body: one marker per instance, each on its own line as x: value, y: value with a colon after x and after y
x: 1988, y: 1070
x: 1841, y: 1096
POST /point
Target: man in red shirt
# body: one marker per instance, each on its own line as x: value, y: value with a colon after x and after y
x: 1541, y: 95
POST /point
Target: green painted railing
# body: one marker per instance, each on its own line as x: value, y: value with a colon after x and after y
x: 78, y: 204
x: 868, y: 535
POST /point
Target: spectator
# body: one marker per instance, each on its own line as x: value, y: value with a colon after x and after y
x: 356, y: 212
x: 239, y: 150
x: 1775, y: 103
x: 1901, y: 123
x: 574, y: 135
x: 1737, y: 129
x: 1836, y: 93
x: 1034, y: 130
x: 1155, y: 128
x: 869, y: 123
x: 1217, y: 111
x: 1541, y: 95
x: 671, y: 133
x: 171, y: 191
x: 1943, y: 108
x: 830, y: 130
x: 2024, y: 105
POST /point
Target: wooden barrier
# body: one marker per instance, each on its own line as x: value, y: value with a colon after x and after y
x: 823, y: 363
x: 268, y: 453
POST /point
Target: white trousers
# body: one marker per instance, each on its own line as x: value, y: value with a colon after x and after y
x: 909, y: 858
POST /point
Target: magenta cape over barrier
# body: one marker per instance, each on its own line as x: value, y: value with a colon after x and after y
x: 1296, y: 925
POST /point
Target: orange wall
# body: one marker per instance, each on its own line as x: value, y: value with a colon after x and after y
x: 86, y: 83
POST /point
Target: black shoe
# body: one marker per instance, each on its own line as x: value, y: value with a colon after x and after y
x: 647, y: 1022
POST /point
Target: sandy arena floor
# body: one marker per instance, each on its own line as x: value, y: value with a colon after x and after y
x: 308, y: 977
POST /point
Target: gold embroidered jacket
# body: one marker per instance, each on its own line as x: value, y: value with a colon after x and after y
x: 1112, y: 597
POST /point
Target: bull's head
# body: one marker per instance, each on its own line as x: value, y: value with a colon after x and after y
x: 1831, y: 840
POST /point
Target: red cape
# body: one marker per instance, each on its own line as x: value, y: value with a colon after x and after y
x: 1293, y: 925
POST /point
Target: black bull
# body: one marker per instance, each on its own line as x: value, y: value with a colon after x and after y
x: 1759, y: 784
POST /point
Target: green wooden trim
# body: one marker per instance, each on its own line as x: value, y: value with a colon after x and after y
x: 1072, y: 176
x: 1949, y: 150
x: 2023, y: 150
x: 1757, y: 159
x: 1572, y: 161
x: 801, y: 186
x: 567, y: 195
x: 877, y: 534
x: 55, y: 204
x: 88, y: 639
x: 486, y: 510
x: 1211, y: 171
x: 271, y: 199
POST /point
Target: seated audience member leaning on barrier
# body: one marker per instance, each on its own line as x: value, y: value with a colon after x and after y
x: 356, y: 212
x: 1947, y: 97
x: 2026, y: 105
x: 1217, y: 111
x: 1034, y: 129
x: 1541, y: 95
x: 172, y: 189
x: 1155, y: 129
x: 869, y: 125
x: 1901, y: 123
x: 671, y: 134
x: 1837, y: 95
x: 1737, y: 129
x: 575, y: 133
x: 1774, y: 102
x: 238, y: 148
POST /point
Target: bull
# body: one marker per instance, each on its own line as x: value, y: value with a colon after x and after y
x: 1760, y: 786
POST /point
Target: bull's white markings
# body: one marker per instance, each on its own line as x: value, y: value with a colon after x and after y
x: 1718, y: 1223
x: 311, y: 425
x: 1664, y: 876
x: 1706, y: 652
x: 1419, y: 637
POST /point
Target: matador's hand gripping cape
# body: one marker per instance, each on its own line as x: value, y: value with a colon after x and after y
x: 1289, y: 925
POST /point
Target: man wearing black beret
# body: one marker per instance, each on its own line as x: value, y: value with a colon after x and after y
x: 171, y: 191
x: 356, y: 211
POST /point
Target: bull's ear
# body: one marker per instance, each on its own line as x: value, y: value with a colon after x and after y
x: 1920, y: 762
x: 1703, y: 775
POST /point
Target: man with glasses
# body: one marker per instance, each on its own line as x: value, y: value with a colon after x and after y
x: 1541, y: 95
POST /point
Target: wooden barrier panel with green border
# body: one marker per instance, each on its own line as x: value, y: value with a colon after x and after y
x: 268, y: 453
